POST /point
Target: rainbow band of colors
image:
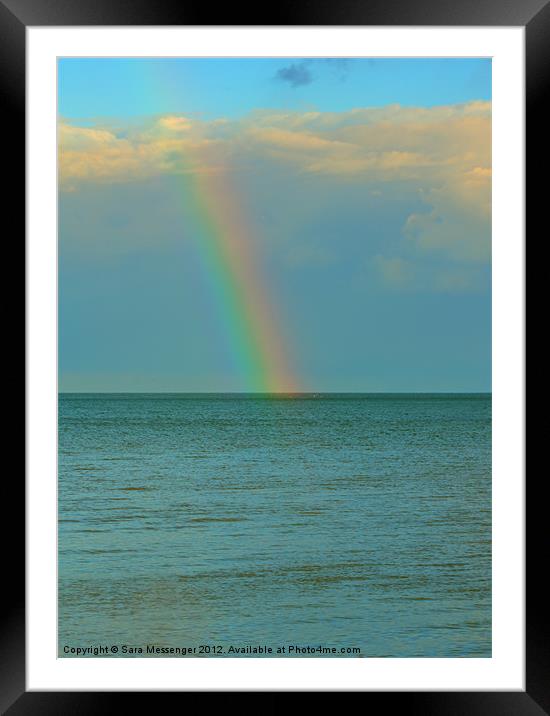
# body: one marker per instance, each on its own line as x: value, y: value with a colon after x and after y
x: 226, y: 249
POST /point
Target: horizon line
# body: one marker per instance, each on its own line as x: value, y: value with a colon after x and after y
x: 277, y: 392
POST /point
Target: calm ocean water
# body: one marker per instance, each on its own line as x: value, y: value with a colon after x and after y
x: 239, y: 520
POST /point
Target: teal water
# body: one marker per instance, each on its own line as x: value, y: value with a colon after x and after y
x: 239, y: 520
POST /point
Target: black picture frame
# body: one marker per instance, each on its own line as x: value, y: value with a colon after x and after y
x: 15, y: 17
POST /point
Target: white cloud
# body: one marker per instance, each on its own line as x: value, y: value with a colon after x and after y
x: 444, y: 153
x: 428, y: 145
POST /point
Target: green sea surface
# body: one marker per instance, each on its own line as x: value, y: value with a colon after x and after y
x: 355, y: 522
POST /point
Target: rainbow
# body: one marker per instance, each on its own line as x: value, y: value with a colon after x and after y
x: 225, y: 245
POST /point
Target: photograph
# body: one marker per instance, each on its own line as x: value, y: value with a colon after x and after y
x: 274, y: 357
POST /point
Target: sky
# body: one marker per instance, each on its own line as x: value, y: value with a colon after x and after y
x: 277, y: 224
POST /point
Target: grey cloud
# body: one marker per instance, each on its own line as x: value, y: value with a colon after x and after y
x: 296, y: 74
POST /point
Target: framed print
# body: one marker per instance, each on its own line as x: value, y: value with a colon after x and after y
x: 275, y: 355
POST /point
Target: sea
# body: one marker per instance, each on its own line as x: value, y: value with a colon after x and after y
x: 276, y: 526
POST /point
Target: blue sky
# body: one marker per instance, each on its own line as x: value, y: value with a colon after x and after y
x: 232, y: 88
x: 366, y: 187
